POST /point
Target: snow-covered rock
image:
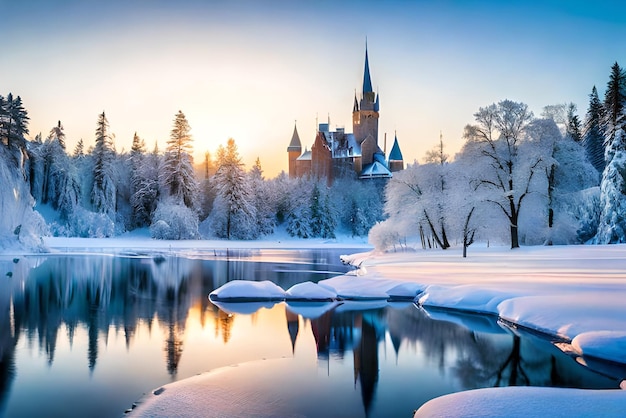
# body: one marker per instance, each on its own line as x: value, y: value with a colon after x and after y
x: 244, y: 290
x: 310, y: 291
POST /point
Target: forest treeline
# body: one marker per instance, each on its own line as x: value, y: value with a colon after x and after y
x: 518, y: 178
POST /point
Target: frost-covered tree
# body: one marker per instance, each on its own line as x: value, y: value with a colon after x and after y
x: 103, y: 191
x: 299, y: 213
x: 507, y: 164
x: 234, y: 214
x: 612, y: 227
x: 145, y: 184
x: 614, y: 101
x: 79, y: 149
x: 574, y: 126
x: 13, y: 122
x: 178, y: 177
x: 567, y: 172
x: 57, y: 133
x: 323, y: 217
x: 265, y: 213
x: 358, y: 204
x: 593, y: 135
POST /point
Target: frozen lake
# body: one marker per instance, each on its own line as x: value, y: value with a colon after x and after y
x: 89, y: 334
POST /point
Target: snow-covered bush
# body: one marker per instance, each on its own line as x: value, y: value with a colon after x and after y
x: 174, y: 221
x: 87, y: 224
x: 387, y: 235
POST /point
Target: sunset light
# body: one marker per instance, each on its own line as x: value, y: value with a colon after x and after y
x: 248, y: 69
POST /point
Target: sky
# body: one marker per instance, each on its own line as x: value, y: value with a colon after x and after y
x: 250, y: 70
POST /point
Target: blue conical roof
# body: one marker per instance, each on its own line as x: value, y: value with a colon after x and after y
x: 367, y: 80
x: 395, y: 154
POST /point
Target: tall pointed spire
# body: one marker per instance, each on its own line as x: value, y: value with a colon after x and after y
x: 367, y: 80
x: 295, y: 144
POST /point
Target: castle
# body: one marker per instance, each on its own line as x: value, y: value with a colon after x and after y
x: 336, y: 154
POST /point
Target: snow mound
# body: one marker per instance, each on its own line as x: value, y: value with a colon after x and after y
x: 244, y: 291
x: 405, y: 291
x: 465, y: 297
x: 526, y: 402
x: 350, y: 287
x: 310, y: 291
x: 609, y: 345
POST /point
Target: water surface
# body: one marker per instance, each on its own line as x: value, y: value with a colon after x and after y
x: 87, y: 335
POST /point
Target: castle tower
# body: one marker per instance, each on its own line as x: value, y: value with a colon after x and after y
x: 294, y: 150
x: 395, y: 161
x: 365, y: 112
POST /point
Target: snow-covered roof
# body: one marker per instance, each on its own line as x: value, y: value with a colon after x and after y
x: 306, y: 155
x: 375, y: 170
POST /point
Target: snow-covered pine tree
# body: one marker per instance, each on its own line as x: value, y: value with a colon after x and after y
x: 144, y: 199
x: 265, y: 213
x: 573, y: 124
x: 13, y: 128
x: 612, y: 228
x: 79, y: 150
x: 60, y: 183
x: 103, y: 191
x: 593, y: 136
x: 139, y: 215
x: 178, y: 177
x: 233, y: 214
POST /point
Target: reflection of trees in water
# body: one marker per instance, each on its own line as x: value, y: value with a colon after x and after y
x: 224, y: 324
x: 102, y: 293
x: 8, y: 342
x: 494, y: 358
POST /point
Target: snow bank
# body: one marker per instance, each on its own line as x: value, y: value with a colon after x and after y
x: 610, y: 345
x: 526, y: 402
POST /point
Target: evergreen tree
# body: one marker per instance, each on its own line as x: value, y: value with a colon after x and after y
x: 612, y: 227
x: 178, y: 176
x: 103, y: 191
x: 145, y: 185
x: 13, y: 122
x: 573, y: 123
x: 207, y: 186
x: 79, y: 150
x: 265, y: 214
x: 614, y: 99
x: 234, y: 215
x: 57, y: 133
x: 593, y: 135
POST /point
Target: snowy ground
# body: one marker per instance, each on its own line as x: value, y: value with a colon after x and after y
x: 576, y: 293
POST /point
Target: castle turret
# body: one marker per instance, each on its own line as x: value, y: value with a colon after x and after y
x: 365, y: 115
x: 294, y: 150
x: 395, y: 161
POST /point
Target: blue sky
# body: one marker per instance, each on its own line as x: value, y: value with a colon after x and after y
x: 249, y: 69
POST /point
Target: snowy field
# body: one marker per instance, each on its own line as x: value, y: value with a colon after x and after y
x: 574, y: 293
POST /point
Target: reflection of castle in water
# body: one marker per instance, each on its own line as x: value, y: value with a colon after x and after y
x: 489, y: 357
